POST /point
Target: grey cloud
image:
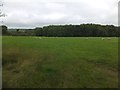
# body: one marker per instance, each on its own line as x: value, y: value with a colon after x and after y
x: 34, y: 13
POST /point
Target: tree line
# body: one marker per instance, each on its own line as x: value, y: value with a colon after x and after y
x: 83, y: 30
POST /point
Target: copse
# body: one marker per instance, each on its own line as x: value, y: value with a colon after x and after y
x: 38, y: 31
x: 83, y: 30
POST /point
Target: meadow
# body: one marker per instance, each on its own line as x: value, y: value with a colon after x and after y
x: 59, y: 62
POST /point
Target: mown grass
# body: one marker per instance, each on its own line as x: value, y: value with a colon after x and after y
x: 60, y: 62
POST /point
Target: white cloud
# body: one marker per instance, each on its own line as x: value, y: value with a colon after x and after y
x: 32, y: 13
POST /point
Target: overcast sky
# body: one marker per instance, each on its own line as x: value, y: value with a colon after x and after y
x: 36, y: 13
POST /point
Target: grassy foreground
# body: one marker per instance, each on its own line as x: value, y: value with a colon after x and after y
x: 59, y: 62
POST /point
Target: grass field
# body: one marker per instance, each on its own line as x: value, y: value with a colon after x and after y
x: 60, y: 62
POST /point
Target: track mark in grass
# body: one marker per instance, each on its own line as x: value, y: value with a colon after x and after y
x: 10, y: 56
x: 12, y: 59
x: 102, y: 63
x: 16, y: 71
x: 50, y: 76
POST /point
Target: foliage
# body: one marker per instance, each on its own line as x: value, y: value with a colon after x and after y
x: 83, y: 30
x: 4, y: 30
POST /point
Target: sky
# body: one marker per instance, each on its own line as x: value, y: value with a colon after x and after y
x: 38, y: 13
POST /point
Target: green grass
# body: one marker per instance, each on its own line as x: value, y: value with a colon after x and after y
x: 60, y: 62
